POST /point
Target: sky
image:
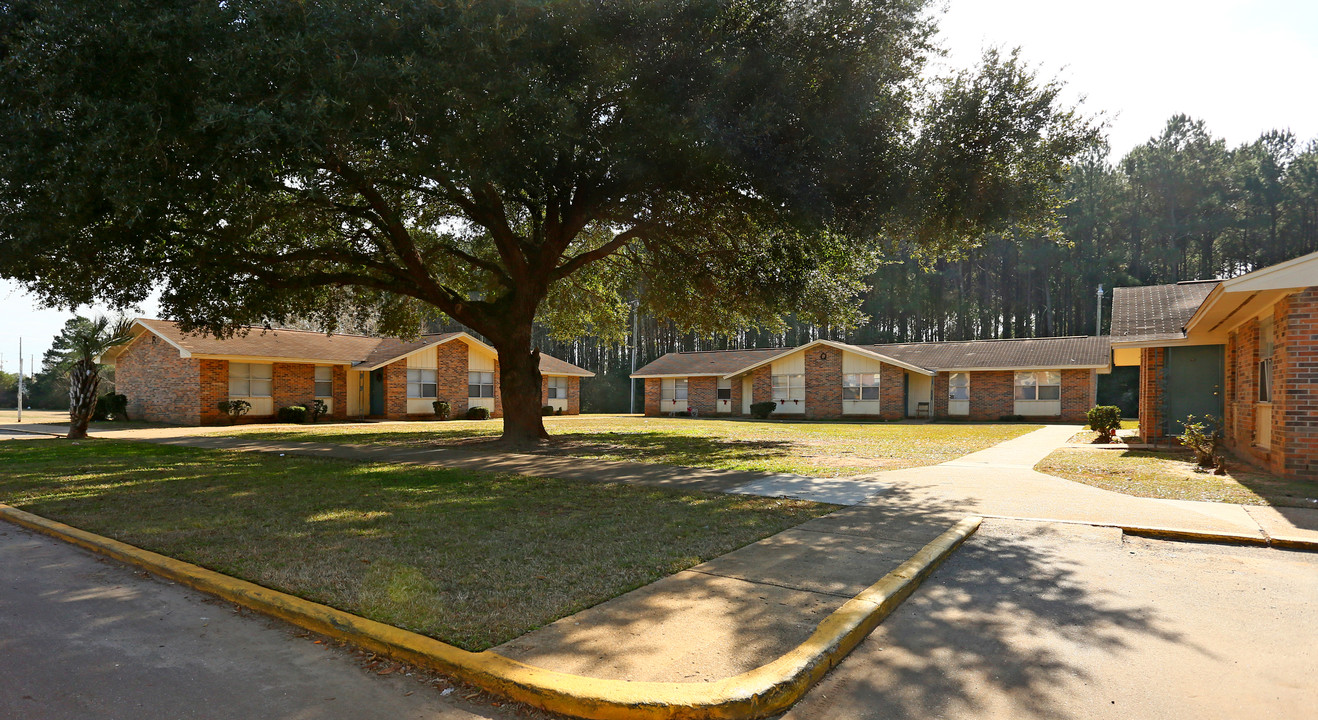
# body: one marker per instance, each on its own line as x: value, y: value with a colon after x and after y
x: 1241, y: 67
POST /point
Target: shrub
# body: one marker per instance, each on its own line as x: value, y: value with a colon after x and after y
x: 1012, y: 418
x: 547, y: 410
x: 316, y: 409
x: 560, y: 411
x: 1203, y: 437
x: 442, y: 409
x: 1104, y: 420
x: 478, y: 413
x: 292, y: 414
x: 762, y: 410
x: 234, y: 409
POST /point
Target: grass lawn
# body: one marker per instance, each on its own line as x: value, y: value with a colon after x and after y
x: 1171, y: 474
x: 818, y: 449
x: 473, y: 559
x: 61, y: 417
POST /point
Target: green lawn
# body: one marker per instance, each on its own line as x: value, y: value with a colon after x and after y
x: 1172, y: 475
x: 472, y: 559
x: 819, y: 449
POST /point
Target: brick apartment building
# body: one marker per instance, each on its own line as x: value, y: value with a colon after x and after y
x: 1243, y: 350
x: 170, y: 376
x: 1043, y: 378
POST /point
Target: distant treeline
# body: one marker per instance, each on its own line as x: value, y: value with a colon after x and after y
x: 1181, y: 206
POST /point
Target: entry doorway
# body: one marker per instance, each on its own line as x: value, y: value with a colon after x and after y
x: 1194, y: 385
x: 377, y: 392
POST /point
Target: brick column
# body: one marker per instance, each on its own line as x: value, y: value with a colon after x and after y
x: 574, y: 396
x: 892, y: 392
x: 214, y: 390
x: 451, y: 376
x: 395, y: 390
x: 653, y: 390
x: 340, y: 392
x: 762, y: 384
x: 1295, y: 385
x: 992, y: 394
x: 735, y: 403
x: 702, y: 394
x: 1078, y: 387
x: 294, y: 384
x: 939, y: 398
x: 823, y: 383
x: 1153, y: 362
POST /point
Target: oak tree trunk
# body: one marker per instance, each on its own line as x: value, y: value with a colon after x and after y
x: 519, y: 386
x: 84, y: 381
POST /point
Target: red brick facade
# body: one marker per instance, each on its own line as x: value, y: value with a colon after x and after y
x: 160, y: 385
x: 762, y: 384
x: 1293, y: 448
x: 892, y: 392
x: 451, y: 377
x: 395, y: 390
x: 823, y: 383
x: 294, y: 384
x: 1153, y: 366
x: 214, y: 390
x: 340, y: 394
x: 653, y: 392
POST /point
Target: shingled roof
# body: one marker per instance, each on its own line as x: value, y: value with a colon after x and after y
x: 1156, y: 312
x: 1034, y: 353
x: 308, y: 346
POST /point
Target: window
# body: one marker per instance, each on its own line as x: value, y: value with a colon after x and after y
x: 324, y: 381
x: 724, y: 391
x: 860, y: 387
x: 958, y: 386
x: 789, y: 387
x: 421, y: 383
x: 674, y: 389
x: 480, y: 384
x: 557, y: 388
x: 1267, y: 346
x: 250, y: 380
x: 1042, y: 385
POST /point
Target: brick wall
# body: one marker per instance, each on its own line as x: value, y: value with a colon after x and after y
x: 574, y: 396
x: 451, y: 376
x: 653, y: 391
x: 762, y: 384
x: 892, y: 392
x: 214, y: 390
x: 1153, y: 364
x: 294, y: 384
x: 823, y: 383
x: 340, y: 394
x: 395, y: 390
x: 160, y: 385
x: 497, y: 412
x: 702, y: 394
x: 1295, y: 377
x: 1239, y: 419
x: 939, y: 391
x: 736, y: 402
x: 992, y: 394
x: 1078, y: 393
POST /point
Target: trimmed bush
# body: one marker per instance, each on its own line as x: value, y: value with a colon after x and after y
x: 478, y: 413
x: 763, y: 410
x: 442, y: 409
x: 547, y: 410
x: 234, y: 409
x: 1104, y: 420
x: 292, y: 414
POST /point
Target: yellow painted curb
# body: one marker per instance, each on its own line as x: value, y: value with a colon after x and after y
x: 764, y: 691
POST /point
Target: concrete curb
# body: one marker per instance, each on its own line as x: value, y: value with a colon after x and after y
x: 764, y: 691
x: 1164, y: 533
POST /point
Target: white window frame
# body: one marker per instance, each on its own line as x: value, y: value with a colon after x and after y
x: 860, y: 386
x: 789, y: 387
x: 1035, y: 384
x: 324, y: 379
x: 422, y: 383
x: 251, y: 380
x: 481, y: 382
x: 556, y: 388
x: 724, y: 390
x: 953, y: 386
x: 674, y: 390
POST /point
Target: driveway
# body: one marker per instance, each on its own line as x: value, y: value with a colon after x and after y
x: 1064, y: 621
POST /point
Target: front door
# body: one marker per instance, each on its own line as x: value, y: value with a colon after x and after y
x: 377, y: 392
x: 1194, y: 385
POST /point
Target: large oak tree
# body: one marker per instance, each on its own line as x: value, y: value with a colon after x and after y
x: 722, y: 162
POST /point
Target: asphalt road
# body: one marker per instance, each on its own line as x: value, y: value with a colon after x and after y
x: 84, y: 638
x: 1070, y: 621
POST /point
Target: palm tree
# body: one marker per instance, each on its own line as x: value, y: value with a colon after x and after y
x: 81, y: 348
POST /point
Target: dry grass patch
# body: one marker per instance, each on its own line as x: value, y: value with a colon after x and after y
x: 473, y: 559
x: 1174, y: 475
x: 819, y: 449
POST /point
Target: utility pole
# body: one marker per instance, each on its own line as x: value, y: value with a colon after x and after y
x: 20, y: 379
x: 1098, y: 324
x: 631, y: 381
